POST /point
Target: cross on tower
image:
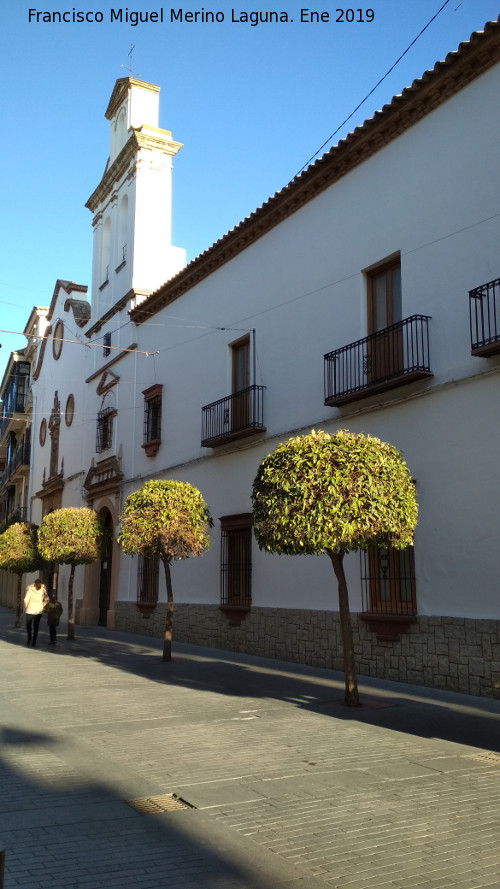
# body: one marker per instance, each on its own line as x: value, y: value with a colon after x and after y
x: 130, y: 71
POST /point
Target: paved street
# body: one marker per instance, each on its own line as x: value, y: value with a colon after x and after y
x: 256, y: 775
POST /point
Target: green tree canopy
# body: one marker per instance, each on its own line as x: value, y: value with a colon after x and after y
x: 168, y: 520
x: 321, y: 493
x: 71, y: 536
x: 18, y: 549
x: 19, y: 554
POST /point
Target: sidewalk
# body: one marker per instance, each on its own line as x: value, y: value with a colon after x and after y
x: 257, y: 776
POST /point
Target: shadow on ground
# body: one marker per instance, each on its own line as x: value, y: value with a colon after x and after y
x: 58, y: 825
x: 424, y: 712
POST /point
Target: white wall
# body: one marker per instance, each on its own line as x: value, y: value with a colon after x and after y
x: 433, y: 195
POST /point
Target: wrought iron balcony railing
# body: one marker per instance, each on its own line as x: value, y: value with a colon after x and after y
x: 232, y: 417
x: 484, y: 312
x: 20, y: 457
x: 392, y: 357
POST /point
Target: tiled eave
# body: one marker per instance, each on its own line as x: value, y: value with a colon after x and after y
x: 447, y: 78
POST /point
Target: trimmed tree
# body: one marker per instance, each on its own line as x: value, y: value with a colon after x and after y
x: 19, y: 554
x: 168, y: 520
x: 71, y: 536
x: 321, y: 493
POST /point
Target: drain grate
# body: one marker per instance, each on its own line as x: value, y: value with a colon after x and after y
x: 489, y: 757
x: 156, y: 805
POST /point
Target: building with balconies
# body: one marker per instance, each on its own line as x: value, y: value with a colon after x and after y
x: 353, y: 298
x: 16, y: 418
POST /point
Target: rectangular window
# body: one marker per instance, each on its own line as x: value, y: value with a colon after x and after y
x: 104, y: 436
x: 236, y: 560
x: 148, y: 573
x: 388, y: 580
x: 152, y: 419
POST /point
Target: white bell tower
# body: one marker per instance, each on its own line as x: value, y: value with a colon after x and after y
x: 132, y: 205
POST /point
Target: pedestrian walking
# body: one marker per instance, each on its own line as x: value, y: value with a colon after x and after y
x: 35, y: 601
x: 54, y: 611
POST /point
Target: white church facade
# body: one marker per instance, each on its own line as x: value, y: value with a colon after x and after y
x: 364, y: 295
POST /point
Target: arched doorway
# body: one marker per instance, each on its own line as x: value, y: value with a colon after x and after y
x: 106, y: 564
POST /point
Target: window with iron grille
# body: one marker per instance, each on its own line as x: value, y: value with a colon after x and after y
x: 148, y: 574
x: 388, y: 581
x: 152, y: 419
x: 236, y: 560
x: 104, y: 432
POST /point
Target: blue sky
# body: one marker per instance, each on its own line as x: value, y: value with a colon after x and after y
x: 251, y: 106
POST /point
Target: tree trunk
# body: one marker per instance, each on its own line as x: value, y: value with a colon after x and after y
x: 71, y: 618
x: 19, y: 608
x: 167, y: 639
x: 351, y: 696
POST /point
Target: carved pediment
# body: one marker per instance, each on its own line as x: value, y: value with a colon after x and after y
x: 107, y: 381
x: 105, y: 477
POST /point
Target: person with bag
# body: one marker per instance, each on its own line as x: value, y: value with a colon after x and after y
x: 54, y: 610
x: 35, y: 601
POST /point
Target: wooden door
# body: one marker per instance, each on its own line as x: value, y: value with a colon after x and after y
x: 385, y: 350
x: 240, y: 401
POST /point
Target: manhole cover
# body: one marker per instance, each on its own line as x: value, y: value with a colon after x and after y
x: 156, y: 805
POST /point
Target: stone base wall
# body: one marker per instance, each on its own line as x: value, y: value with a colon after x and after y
x: 458, y: 654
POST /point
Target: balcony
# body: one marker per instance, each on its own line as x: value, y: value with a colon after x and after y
x: 233, y: 417
x: 15, y: 393
x: 394, y: 356
x: 10, y: 515
x: 20, y: 457
x: 484, y: 312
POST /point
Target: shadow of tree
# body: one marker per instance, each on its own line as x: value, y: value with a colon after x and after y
x: 423, y: 712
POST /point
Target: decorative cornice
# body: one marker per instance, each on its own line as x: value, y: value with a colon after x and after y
x: 105, y: 478
x: 105, y: 368
x: 38, y: 368
x: 120, y: 91
x: 118, y: 306
x: 448, y: 77
x: 143, y: 138
x: 51, y: 486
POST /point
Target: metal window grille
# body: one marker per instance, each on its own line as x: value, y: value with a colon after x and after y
x: 104, y: 432
x: 236, y: 563
x: 388, y: 581
x: 148, y: 575
x: 152, y: 419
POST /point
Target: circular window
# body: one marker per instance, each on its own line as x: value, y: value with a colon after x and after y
x: 70, y: 410
x: 43, y: 432
x: 57, y: 341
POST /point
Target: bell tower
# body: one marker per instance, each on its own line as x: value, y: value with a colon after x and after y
x: 132, y: 205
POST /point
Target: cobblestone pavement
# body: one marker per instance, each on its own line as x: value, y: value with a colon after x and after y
x: 282, y: 786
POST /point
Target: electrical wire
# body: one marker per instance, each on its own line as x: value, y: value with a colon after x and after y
x: 391, y: 69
